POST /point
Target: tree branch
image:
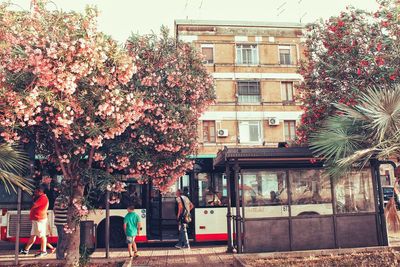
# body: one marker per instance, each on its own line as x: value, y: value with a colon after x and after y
x: 90, y: 160
x: 58, y: 152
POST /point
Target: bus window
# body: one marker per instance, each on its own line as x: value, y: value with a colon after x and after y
x: 212, y: 190
x: 264, y: 188
x: 311, y: 192
x: 132, y: 196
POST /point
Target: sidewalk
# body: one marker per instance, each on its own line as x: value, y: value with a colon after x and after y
x: 149, y: 256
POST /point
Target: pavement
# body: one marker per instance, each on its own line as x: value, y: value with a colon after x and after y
x: 149, y: 256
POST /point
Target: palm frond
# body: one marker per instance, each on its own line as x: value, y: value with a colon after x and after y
x: 352, y: 112
x: 358, y: 134
x: 13, y: 164
x: 383, y: 106
x: 357, y: 157
x: 338, y: 138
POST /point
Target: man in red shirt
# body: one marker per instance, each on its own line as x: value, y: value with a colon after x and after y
x: 38, y: 216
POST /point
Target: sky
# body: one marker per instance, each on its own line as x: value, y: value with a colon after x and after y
x: 119, y: 18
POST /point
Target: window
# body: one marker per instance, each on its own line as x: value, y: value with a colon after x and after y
x: 132, y: 196
x: 208, y: 53
x: 250, y: 132
x: 264, y: 193
x: 287, y: 91
x: 212, y: 190
x: 354, y: 193
x: 246, y: 54
x: 284, y: 55
x: 209, y: 131
x: 310, y: 192
x: 249, y: 92
x: 290, y: 130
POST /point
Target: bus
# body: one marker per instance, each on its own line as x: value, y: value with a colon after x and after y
x: 264, y: 193
x: 156, y: 209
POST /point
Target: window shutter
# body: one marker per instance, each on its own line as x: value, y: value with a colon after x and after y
x: 238, y: 54
x: 244, y: 132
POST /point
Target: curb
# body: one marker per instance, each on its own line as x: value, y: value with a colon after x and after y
x: 129, y: 263
x: 239, y: 260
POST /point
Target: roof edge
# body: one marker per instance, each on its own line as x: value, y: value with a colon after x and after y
x: 238, y: 23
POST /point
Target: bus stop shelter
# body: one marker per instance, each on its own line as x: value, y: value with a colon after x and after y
x: 281, y: 200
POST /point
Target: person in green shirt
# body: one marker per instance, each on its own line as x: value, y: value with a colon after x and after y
x: 132, y: 227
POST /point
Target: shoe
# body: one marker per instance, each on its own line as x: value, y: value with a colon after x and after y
x: 186, y: 247
x: 177, y: 246
x: 136, y: 255
x: 24, y: 252
x: 41, y: 254
x: 52, y: 250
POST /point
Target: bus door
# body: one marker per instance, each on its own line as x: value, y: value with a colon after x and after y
x: 162, y: 224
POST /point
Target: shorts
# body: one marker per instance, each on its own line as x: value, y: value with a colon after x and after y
x: 130, y: 239
x: 39, y: 228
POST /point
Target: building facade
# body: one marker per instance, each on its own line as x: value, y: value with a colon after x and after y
x: 255, y: 67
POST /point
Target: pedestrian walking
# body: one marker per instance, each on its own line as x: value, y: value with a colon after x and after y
x: 48, y: 234
x: 183, y: 217
x: 60, y: 220
x: 132, y: 227
x: 38, y: 216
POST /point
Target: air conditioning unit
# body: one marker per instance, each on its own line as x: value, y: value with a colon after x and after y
x: 222, y: 132
x: 273, y: 121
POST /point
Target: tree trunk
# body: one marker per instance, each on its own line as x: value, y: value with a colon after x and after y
x: 72, y: 241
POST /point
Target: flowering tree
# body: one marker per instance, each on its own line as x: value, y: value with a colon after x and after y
x: 344, y: 56
x: 61, y: 83
x: 95, y: 108
x: 176, y: 89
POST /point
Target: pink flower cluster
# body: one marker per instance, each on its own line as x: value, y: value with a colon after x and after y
x: 81, y: 209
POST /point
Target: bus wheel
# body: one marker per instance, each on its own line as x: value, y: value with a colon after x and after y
x: 117, y: 234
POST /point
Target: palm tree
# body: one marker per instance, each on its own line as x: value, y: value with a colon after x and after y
x: 13, y: 164
x: 355, y: 135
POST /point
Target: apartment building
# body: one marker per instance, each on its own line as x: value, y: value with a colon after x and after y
x: 254, y: 65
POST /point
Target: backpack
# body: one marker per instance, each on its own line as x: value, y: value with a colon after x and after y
x: 185, y: 217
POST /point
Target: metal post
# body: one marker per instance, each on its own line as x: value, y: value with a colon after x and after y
x: 243, y: 228
x: 238, y: 218
x: 18, y: 225
x: 382, y: 234
x: 229, y: 214
x: 107, y: 235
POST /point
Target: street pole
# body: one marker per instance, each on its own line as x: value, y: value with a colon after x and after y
x: 107, y: 235
x: 229, y: 214
x: 238, y: 217
x: 18, y: 225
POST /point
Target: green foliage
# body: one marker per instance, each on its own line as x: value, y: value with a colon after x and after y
x: 13, y: 164
x: 356, y: 134
x: 344, y: 56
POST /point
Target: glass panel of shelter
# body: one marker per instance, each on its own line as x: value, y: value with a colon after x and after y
x: 265, y: 193
x: 354, y: 193
x: 310, y: 192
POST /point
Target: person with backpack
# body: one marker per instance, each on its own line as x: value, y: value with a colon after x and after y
x: 183, y: 217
